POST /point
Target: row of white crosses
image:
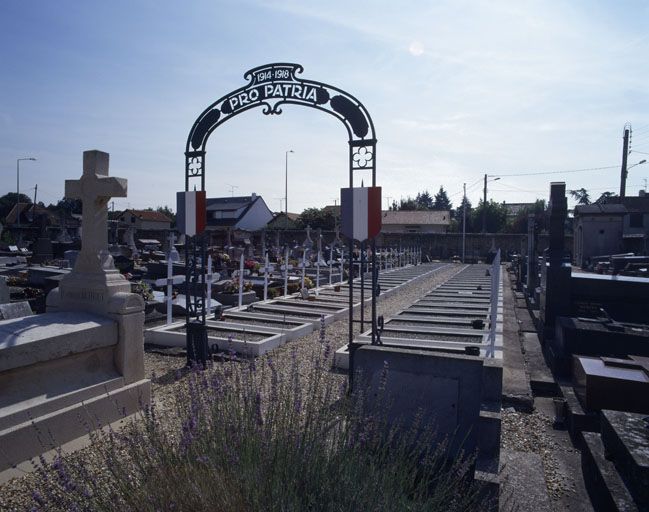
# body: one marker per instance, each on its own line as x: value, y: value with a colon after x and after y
x: 172, y: 280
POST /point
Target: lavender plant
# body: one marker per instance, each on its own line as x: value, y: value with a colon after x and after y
x: 248, y: 436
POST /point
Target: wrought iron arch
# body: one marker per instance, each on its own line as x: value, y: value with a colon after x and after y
x: 271, y: 86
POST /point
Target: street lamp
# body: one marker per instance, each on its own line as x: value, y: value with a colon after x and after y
x: 484, y: 202
x: 18, y: 160
x: 286, y: 186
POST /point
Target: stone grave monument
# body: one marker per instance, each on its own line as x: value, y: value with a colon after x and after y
x: 531, y: 271
x: 80, y: 364
x: 555, y: 268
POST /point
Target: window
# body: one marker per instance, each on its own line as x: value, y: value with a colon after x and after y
x: 636, y: 220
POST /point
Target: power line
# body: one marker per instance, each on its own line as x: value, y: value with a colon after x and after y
x: 539, y: 173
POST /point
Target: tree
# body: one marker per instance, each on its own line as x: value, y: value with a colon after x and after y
x: 408, y: 204
x: 69, y: 206
x: 424, y: 201
x: 167, y: 211
x: 580, y: 195
x: 519, y: 223
x: 8, y: 201
x: 605, y: 197
x: 456, y: 214
x: 317, y: 218
x: 442, y: 202
x: 496, y: 216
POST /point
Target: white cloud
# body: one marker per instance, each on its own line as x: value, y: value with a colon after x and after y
x: 416, y: 48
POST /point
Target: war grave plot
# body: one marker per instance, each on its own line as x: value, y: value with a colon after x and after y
x: 442, y: 320
x: 446, y: 364
x: 263, y: 326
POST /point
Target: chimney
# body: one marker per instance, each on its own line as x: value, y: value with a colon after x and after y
x: 642, y: 193
x: 252, y: 196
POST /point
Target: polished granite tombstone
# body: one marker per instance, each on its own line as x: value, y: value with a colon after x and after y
x: 624, y: 298
x: 555, y: 268
x: 612, y: 383
x: 595, y: 337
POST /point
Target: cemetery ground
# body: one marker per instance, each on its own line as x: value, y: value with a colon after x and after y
x: 539, y: 465
x: 379, y: 489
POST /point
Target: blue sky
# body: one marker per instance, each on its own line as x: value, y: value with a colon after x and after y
x: 455, y: 88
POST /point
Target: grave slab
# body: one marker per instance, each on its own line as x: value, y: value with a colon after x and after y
x: 626, y: 441
x: 605, y: 487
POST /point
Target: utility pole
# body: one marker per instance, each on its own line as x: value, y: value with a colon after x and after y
x: 464, y: 223
x: 484, y: 205
x: 625, y: 154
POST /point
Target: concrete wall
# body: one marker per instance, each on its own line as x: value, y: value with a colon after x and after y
x: 399, y: 229
x: 447, y: 389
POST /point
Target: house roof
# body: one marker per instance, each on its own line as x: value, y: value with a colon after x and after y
x: 25, y: 211
x: 419, y: 217
x: 600, y: 209
x: 148, y: 215
x: 229, y: 204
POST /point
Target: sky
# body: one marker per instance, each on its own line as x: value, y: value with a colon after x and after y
x: 456, y: 89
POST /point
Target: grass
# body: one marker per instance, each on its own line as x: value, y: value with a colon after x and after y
x: 245, y: 436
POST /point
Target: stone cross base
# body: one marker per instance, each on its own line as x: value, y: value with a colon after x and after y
x: 81, y: 291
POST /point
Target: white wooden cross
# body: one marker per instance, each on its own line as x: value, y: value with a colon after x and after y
x: 95, y: 188
x: 266, y: 269
x: 285, y: 269
x: 170, y: 282
x: 241, y: 281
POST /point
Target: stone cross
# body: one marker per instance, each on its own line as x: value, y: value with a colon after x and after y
x: 95, y: 188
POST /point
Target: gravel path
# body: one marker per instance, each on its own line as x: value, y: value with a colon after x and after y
x: 166, y: 371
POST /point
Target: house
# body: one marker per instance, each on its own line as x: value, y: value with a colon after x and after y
x: 619, y: 225
x: 279, y: 221
x: 247, y: 213
x: 415, y: 222
x: 148, y: 220
x: 598, y: 230
x: 30, y: 214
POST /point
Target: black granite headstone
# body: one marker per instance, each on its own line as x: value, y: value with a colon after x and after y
x: 530, y: 268
x: 555, y: 269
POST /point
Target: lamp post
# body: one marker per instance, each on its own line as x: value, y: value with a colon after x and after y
x: 484, y: 203
x: 463, y: 223
x: 18, y: 160
x: 286, y: 185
